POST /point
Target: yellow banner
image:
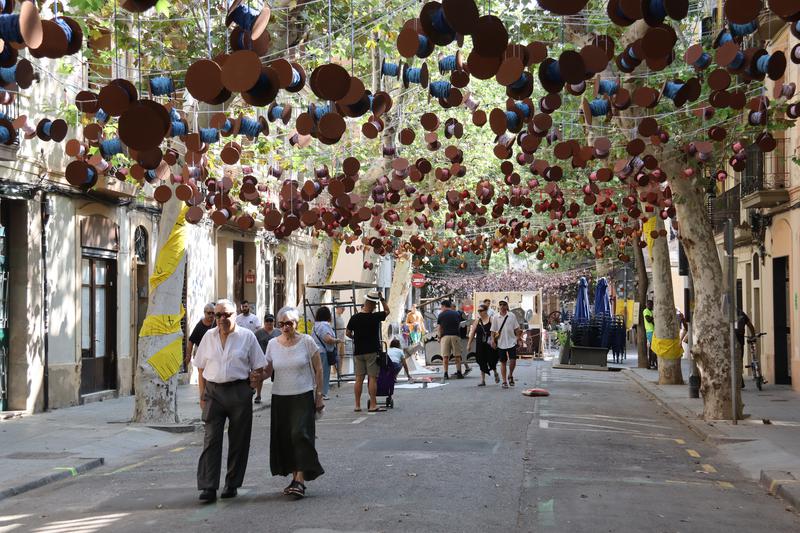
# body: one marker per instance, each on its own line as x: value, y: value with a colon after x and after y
x: 167, y: 361
x: 649, y: 226
x: 162, y: 324
x: 171, y: 254
x: 334, y: 256
x: 667, y: 348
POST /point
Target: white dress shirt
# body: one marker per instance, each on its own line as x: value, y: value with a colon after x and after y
x: 240, y: 355
x: 507, y: 338
x: 249, y: 321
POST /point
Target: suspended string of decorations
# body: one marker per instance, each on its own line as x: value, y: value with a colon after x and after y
x: 150, y: 118
x: 512, y: 281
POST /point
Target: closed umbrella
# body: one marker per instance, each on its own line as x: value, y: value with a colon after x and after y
x: 582, y: 302
x: 602, y: 306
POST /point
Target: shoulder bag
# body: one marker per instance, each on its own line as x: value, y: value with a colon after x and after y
x: 331, y: 355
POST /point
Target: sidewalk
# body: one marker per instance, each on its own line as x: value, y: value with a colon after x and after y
x: 765, y: 445
x: 39, y: 449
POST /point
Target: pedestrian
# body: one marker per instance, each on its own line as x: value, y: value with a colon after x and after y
x: 449, y: 323
x: 742, y: 321
x: 228, y: 358
x: 488, y: 304
x: 247, y: 319
x: 200, y: 329
x: 505, y: 335
x: 649, y: 327
x: 265, y: 334
x: 398, y: 358
x: 485, y: 353
x: 325, y: 337
x: 415, y: 323
x: 296, y: 400
x: 364, y: 328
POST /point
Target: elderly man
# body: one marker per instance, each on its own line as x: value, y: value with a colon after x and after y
x: 227, y: 358
x: 364, y: 328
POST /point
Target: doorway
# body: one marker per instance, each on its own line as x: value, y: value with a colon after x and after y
x: 98, y: 320
x: 238, y: 272
x: 780, y: 299
x: 4, y: 331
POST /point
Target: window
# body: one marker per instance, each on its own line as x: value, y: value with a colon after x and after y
x: 756, y: 267
x: 279, y: 282
x: 140, y: 247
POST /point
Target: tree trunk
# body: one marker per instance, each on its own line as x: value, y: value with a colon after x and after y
x: 319, y: 269
x: 711, y: 346
x: 401, y: 284
x: 641, y: 296
x: 157, y: 400
x: 669, y: 367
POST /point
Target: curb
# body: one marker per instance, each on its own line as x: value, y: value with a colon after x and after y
x: 698, y: 429
x: 782, y: 484
x: 52, y: 478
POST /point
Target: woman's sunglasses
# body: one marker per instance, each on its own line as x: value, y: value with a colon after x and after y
x: 284, y: 324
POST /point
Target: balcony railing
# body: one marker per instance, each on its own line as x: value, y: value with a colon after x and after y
x: 724, y: 207
x: 766, y: 178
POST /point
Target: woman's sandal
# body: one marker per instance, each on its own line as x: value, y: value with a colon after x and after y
x: 377, y: 410
x: 296, y: 489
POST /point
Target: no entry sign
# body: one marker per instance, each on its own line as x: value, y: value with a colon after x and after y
x: 418, y: 280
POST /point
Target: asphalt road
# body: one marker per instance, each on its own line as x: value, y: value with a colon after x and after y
x: 597, y: 455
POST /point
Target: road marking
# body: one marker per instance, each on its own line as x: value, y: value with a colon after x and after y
x: 680, y: 441
x: 651, y: 437
x: 544, y: 424
x: 708, y: 469
x: 725, y: 484
x: 178, y: 449
x: 359, y: 420
x: 131, y: 467
x: 604, y: 418
x: 692, y: 453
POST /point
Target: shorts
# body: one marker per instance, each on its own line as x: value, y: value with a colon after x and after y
x: 366, y: 363
x: 504, y: 354
x: 451, y: 345
x: 649, y: 335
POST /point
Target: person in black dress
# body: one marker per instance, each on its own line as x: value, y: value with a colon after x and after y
x: 484, y: 352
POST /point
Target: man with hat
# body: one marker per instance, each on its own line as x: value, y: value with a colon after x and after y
x: 227, y: 358
x: 505, y: 332
x: 263, y: 335
x: 364, y: 328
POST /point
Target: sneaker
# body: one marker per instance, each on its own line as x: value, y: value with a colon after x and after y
x: 511, y: 381
x: 505, y: 385
x: 496, y: 378
x: 257, y: 400
x: 467, y: 370
x: 459, y: 375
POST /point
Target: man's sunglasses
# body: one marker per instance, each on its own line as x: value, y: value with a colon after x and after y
x: 223, y: 315
x: 284, y: 324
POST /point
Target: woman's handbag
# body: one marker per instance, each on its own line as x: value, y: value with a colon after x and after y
x: 331, y: 355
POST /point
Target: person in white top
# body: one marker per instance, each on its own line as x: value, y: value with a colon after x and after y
x: 228, y: 359
x: 488, y: 303
x: 295, y: 359
x: 505, y: 334
x: 247, y: 319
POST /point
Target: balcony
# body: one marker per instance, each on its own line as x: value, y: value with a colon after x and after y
x: 725, y: 207
x: 766, y: 177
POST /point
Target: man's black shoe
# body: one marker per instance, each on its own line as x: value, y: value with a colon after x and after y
x: 467, y: 370
x: 208, y: 495
x: 459, y: 375
x: 228, y: 493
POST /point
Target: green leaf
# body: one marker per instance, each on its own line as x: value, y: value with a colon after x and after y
x: 162, y: 7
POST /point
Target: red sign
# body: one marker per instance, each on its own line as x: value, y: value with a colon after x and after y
x: 468, y: 308
x: 418, y: 280
x: 250, y: 277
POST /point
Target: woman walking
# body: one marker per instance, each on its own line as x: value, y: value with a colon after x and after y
x: 484, y: 352
x: 325, y: 338
x: 298, y: 374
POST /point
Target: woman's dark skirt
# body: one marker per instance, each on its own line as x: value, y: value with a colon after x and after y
x: 486, y: 357
x: 292, y: 434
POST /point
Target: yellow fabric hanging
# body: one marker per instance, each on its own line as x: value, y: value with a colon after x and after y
x: 162, y: 324
x: 667, y: 348
x: 334, y: 256
x: 167, y: 361
x: 649, y: 226
x: 170, y: 255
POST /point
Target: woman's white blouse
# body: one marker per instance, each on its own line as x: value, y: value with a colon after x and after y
x: 292, y: 365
